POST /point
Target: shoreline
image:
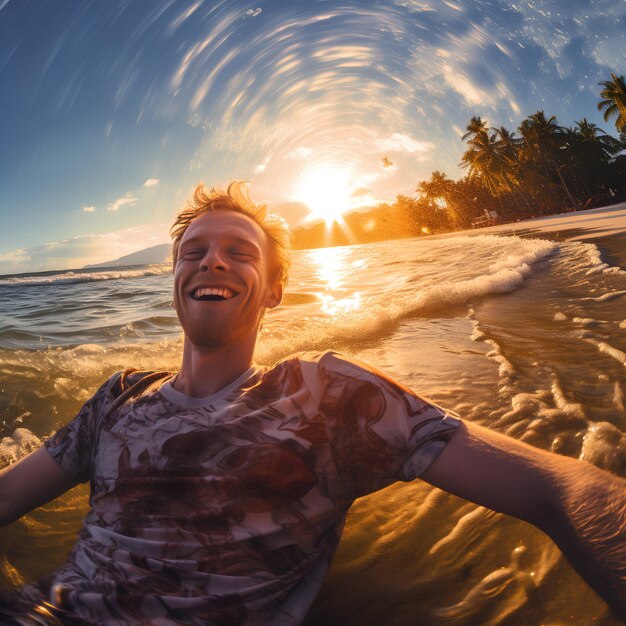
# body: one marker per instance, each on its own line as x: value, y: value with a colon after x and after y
x: 600, y: 226
x: 590, y: 224
x: 594, y: 224
x: 603, y: 227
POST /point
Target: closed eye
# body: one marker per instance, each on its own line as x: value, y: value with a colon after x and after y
x: 193, y: 254
x: 243, y: 254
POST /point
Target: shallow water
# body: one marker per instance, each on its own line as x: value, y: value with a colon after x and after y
x: 527, y: 336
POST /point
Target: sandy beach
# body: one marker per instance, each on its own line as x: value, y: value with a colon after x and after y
x: 571, y: 226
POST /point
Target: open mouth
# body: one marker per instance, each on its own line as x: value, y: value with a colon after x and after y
x: 213, y: 294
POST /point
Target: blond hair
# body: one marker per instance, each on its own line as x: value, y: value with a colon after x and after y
x: 236, y: 198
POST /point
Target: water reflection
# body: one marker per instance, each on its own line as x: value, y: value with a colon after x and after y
x: 336, y: 306
x: 332, y: 266
x: 334, y: 269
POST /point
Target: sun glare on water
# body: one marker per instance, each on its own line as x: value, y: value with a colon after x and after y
x: 326, y: 190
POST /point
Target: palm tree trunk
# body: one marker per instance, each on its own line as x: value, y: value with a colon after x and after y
x: 575, y: 204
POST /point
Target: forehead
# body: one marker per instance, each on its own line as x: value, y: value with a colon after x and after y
x: 225, y: 224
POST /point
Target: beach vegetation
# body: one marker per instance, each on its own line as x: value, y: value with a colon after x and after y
x: 541, y: 168
x: 613, y: 102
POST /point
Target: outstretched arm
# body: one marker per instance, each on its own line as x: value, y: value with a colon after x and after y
x: 582, y: 508
x: 29, y: 483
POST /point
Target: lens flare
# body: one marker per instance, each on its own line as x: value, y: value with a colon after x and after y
x: 326, y: 190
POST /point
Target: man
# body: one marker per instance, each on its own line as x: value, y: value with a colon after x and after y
x: 218, y: 494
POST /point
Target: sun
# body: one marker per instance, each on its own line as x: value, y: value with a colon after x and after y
x: 326, y: 190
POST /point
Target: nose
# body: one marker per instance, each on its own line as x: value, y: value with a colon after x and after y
x: 214, y: 259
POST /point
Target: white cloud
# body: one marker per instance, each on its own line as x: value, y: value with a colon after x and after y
x: 610, y: 51
x: 403, y: 143
x: 464, y: 86
x: 89, y: 209
x: 129, y: 199
x: 151, y: 182
x: 9, y: 260
x: 82, y: 250
x: 415, y: 6
x: 473, y: 69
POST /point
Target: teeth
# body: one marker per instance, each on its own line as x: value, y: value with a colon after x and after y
x: 213, y: 291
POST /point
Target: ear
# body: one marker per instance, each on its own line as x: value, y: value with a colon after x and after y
x: 274, y: 296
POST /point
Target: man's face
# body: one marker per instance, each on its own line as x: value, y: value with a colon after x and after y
x: 221, y: 286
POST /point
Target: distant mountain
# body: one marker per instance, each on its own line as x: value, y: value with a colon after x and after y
x: 161, y: 253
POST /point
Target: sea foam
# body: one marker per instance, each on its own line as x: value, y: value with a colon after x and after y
x: 73, y: 278
x: 17, y: 445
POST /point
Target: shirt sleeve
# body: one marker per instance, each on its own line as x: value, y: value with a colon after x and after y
x: 73, y: 445
x: 379, y: 431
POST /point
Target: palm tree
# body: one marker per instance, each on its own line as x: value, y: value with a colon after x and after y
x: 544, y: 146
x: 511, y: 171
x: 590, y: 152
x: 508, y: 142
x: 482, y: 157
x: 477, y: 126
x: 419, y: 214
x: 507, y: 147
x: 542, y: 138
x: 591, y: 135
x: 614, y: 101
x: 492, y: 158
x: 439, y: 190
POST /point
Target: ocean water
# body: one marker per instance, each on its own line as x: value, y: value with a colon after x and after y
x: 525, y: 335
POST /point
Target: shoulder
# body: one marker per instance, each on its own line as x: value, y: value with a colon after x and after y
x: 324, y: 363
x: 129, y: 383
x: 322, y: 371
x: 327, y: 359
x: 130, y: 377
x: 330, y: 363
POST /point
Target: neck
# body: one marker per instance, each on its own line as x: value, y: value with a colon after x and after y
x: 205, y: 370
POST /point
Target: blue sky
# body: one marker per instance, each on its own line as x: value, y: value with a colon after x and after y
x: 110, y: 112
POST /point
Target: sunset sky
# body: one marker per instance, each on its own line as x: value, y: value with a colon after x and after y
x: 110, y: 112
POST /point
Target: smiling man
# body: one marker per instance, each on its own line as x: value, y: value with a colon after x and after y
x: 219, y: 493
x: 227, y: 271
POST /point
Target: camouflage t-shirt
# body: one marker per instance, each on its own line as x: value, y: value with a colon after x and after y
x: 228, y: 509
